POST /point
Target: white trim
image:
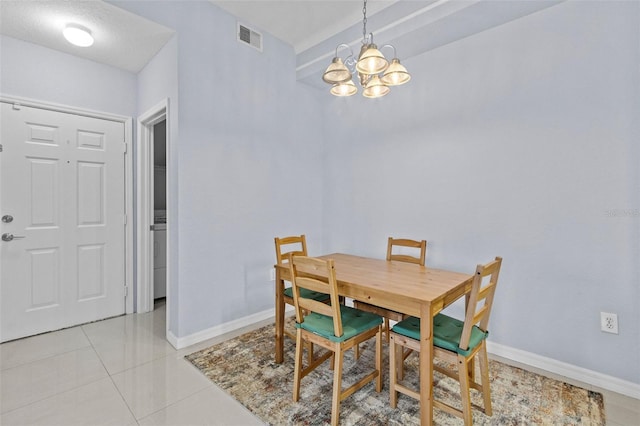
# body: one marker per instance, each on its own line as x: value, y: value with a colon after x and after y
x: 172, y: 339
x: 144, y: 282
x: 129, y: 191
x: 128, y: 164
x: 218, y: 330
x: 584, y: 375
x: 51, y: 106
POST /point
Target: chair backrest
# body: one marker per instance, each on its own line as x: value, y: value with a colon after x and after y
x: 294, y: 245
x: 480, y: 299
x: 403, y: 242
x: 316, y: 275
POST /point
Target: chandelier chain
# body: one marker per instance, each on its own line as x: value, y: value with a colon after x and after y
x: 364, y: 23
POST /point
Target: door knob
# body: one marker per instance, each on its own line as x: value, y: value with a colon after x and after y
x: 11, y: 237
x: 7, y: 218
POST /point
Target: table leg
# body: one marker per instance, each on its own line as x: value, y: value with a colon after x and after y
x: 279, y: 285
x: 426, y: 365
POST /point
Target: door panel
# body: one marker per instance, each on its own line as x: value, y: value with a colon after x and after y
x: 43, y: 278
x: 43, y: 191
x: 90, y: 194
x: 62, y: 180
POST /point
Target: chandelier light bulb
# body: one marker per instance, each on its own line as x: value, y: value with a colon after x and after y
x: 396, y: 74
x: 336, y: 72
x: 375, y: 88
x: 371, y: 61
x: 344, y: 89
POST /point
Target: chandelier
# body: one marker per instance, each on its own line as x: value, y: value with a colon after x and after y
x: 375, y: 73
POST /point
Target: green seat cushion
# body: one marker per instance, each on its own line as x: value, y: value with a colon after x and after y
x: 446, y: 333
x: 354, y: 322
x: 307, y: 294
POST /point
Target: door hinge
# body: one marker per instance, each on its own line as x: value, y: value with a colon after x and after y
x: 124, y: 148
x: 0, y: 147
x: 126, y: 290
x: 124, y: 219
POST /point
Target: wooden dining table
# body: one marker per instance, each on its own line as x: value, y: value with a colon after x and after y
x: 411, y: 289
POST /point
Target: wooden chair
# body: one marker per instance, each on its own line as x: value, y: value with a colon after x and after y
x: 456, y: 342
x: 402, y: 242
x: 335, y: 327
x: 419, y: 258
x: 285, y: 248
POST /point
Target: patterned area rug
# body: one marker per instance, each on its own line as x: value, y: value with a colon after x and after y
x: 244, y: 367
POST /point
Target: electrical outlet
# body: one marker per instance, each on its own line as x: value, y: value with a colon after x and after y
x: 609, y: 322
x: 272, y: 274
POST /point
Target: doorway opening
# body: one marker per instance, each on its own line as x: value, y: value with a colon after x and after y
x: 152, y: 216
x: 159, y: 227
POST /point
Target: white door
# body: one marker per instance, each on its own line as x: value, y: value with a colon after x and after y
x: 62, y: 198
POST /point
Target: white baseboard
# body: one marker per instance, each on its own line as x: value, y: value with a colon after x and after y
x: 584, y: 375
x: 218, y: 330
x: 171, y: 338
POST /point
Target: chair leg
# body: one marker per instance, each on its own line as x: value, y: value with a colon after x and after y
x: 297, y: 374
x: 356, y: 351
x: 337, y: 386
x: 463, y: 373
x: 393, y: 369
x: 386, y: 329
x: 400, y: 361
x: 309, y: 346
x: 471, y: 369
x: 484, y: 373
x: 379, y: 359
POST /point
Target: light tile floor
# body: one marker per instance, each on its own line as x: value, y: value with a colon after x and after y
x: 121, y: 371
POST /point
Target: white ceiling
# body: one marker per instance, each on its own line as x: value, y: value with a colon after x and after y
x: 313, y: 27
x: 122, y: 39
x: 128, y: 41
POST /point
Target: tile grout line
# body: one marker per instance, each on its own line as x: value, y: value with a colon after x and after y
x: 109, y: 375
x: 88, y: 346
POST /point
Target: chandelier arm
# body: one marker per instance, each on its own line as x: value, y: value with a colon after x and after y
x: 345, y: 45
x: 350, y: 60
x: 395, y: 55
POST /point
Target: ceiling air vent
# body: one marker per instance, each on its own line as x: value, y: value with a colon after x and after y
x: 250, y: 37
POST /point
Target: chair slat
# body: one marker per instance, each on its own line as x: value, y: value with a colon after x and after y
x: 284, y: 249
x: 404, y: 242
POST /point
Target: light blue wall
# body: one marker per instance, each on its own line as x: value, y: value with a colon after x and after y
x: 31, y: 71
x: 248, y: 143
x: 158, y: 82
x: 518, y: 142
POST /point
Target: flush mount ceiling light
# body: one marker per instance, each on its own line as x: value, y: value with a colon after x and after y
x: 375, y: 74
x: 78, y: 35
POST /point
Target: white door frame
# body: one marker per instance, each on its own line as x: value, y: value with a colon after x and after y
x: 144, y: 212
x: 128, y: 178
